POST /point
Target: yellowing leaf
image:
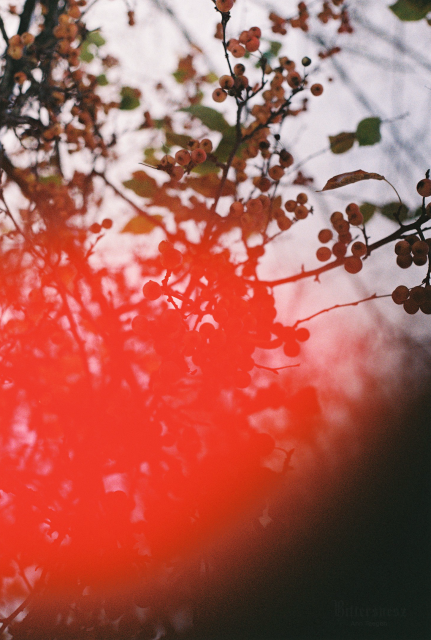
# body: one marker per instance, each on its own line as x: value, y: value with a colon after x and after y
x: 342, y: 142
x: 208, y: 186
x: 349, y: 178
x: 141, y: 224
x: 142, y: 184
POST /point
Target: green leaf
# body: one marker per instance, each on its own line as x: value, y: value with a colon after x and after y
x: 102, y: 80
x: 129, y: 99
x: 342, y: 142
x: 94, y: 37
x: 388, y: 210
x: 140, y: 224
x: 177, y: 139
x: 368, y: 131
x: 407, y: 10
x: 209, y: 117
x: 142, y: 184
x: 180, y: 76
x: 368, y: 210
x: 86, y: 55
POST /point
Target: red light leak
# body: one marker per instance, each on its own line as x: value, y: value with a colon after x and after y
x: 115, y: 492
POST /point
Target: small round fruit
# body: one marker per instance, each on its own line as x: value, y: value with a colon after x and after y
x: 183, y: 157
x: 339, y: 249
x: 400, y: 294
x: 206, y: 145
x: 302, y: 334
x: 336, y: 217
x: 325, y: 235
x: 301, y: 198
x: 198, y: 156
x: 306, y: 61
x: 219, y: 95
x: 224, y: 5
x: 171, y: 259
x: 252, y: 45
x: 359, y: 248
x: 402, y: 248
x: 239, y: 69
x: 236, y: 209
x: 152, y: 290
x: 404, y: 261
x: 255, y: 32
x: 410, y: 306
x: 290, y: 206
x: 420, y: 248
x: 323, y: 254
x: 301, y: 212
x: 420, y: 260
x: 107, y: 223
x: 423, y: 188
x: 276, y: 172
x: 316, y: 89
x: 226, y: 82
x: 291, y: 348
x: 418, y: 294
x: 95, y: 228
x: 353, y: 264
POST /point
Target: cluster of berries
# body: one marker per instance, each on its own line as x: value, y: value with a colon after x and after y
x: 184, y: 159
x: 353, y: 263
x: 18, y: 43
x: 412, y: 250
x: 231, y: 85
x: 292, y: 338
x: 97, y: 228
x: 247, y: 41
x: 413, y: 300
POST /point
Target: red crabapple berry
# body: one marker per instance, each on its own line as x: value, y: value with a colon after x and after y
x: 107, y: 223
x: 402, y: 248
x: 239, y: 69
x: 420, y: 248
x: 291, y: 348
x: 325, y: 235
x: 219, y: 95
x: 224, y: 5
x: 404, y: 261
x: 423, y: 188
x: 410, y: 306
x: 255, y: 32
x: 176, y: 173
x: 400, y: 294
x: 276, y: 172
x: 316, y: 89
x: 152, y: 290
x: 237, y: 50
x: 95, y: 228
x: 339, y: 249
x: 302, y: 334
x: 206, y: 145
x: 183, y: 157
x: 301, y: 212
x: 290, y: 206
x: 252, y: 45
x: 353, y: 264
x: 323, y: 254
x: 359, y: 249
x: 198, y: 156
x: 226, y: 82
x: 301, y: 198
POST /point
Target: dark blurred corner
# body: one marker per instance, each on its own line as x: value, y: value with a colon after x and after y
x: 360, y: 568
